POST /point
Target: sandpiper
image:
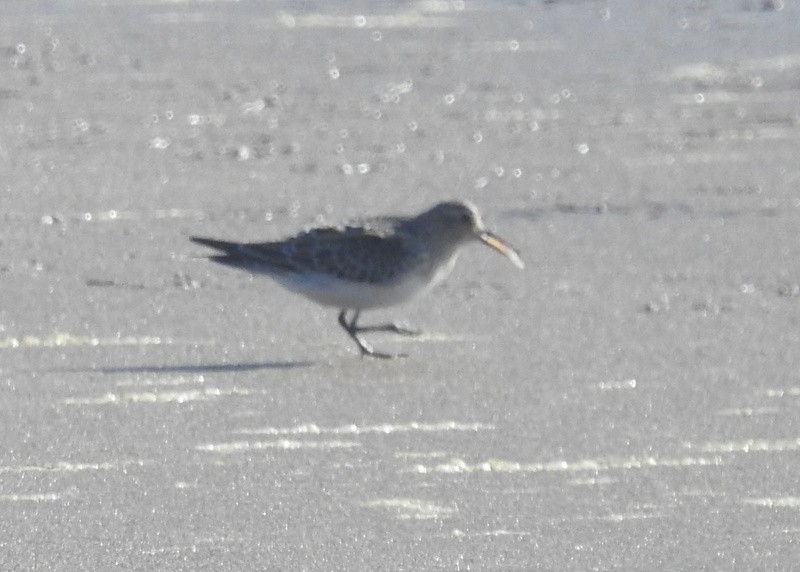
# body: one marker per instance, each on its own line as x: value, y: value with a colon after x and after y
x: 376, y: 263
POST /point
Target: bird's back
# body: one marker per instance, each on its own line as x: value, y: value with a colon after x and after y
x: 375, y: 251
x: 372, y: 252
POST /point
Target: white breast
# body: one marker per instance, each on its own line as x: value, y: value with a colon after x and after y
x: 329, y: 291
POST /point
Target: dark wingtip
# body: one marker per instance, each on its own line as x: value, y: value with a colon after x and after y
x: 201, y: 240
x: 227, y: 260
x: 216, y: 244
x: 242, y: 255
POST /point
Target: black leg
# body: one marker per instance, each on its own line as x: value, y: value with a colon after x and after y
x: 352, y: 330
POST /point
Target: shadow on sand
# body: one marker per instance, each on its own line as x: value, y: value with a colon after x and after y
x: 199, y: 368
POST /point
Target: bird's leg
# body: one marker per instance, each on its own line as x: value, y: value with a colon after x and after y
x: 390, y: 328
x: 352, y: 330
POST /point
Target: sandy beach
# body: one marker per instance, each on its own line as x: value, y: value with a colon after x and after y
x: 629, y: 401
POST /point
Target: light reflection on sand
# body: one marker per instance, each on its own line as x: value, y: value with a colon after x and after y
x: 68, y: 467
x: 113, y: 215
x: 748, y: 411
x: 456, y: 466
x: 458, y: 533
x: 412, y: 509
x: 62, y: 339
x: 622, y: 517
x: 35, y: 497
x: 170, y: 381
x: 315, y: 430
x: 747, y: 446
x: 773, y: 502
x: 283, y: 444
x: 408, y: 19
x: 157, y: 397
x: 783, y: 392
x: 616, y: 385
x: 385, y: 428
x: 421, y: 455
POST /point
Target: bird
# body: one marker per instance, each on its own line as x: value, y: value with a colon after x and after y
x: 373, y: 263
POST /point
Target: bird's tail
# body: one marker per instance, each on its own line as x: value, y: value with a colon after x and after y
x: 230, y: 248
x: 261, y: 258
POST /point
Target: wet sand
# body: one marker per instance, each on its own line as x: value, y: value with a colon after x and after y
x: 629, y: 401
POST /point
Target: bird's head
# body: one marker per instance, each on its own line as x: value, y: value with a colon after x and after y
x: 460, y: 222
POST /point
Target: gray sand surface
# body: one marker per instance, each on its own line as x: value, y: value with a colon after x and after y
x: 629, y: 401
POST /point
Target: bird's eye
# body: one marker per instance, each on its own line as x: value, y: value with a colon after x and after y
x: 466, y: 217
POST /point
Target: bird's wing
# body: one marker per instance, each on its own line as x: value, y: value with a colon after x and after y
x: 354, y: 253
x: 373, y: 251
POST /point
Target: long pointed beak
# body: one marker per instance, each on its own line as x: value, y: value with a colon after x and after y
x: 494, y: 241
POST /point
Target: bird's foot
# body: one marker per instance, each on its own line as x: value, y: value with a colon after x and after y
x: 353, y: 330
x: 368, y: 351
x: 391, y: 329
